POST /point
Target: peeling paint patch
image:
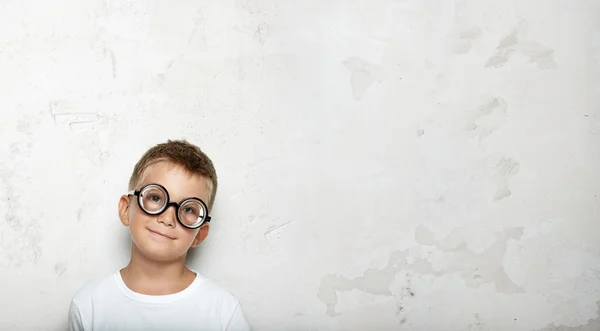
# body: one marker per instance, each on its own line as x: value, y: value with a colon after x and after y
x: 60, y: 268
x: 463, y: 42
x: 475, y: 269
x: 261, y: 33
x: 363, y: 75
x: 373, y: 281
x: 591, y: 325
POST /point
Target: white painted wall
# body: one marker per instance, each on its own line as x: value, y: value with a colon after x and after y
x: 384, y: 164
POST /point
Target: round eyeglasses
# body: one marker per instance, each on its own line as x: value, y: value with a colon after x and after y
x: 154, y: 199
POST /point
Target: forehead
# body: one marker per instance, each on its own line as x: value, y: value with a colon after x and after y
x: 179, y: 182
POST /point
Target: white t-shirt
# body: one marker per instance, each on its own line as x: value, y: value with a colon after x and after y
x: 110, y: 305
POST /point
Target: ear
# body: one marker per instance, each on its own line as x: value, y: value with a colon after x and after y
x: 202, y: 234
x: 124, y: 209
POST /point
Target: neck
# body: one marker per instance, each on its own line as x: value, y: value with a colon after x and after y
x: 156, y: 278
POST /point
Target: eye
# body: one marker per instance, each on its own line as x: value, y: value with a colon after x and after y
x: 189, y: 210
x: 154, y: 198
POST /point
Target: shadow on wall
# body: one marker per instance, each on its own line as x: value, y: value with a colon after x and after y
x: 194, y: 255
x: 123, y: 244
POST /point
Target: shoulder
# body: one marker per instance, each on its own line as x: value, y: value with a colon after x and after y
x: 217, y: 293
x: 82, y: 303
x: 229, y: 309
x: 94, y: 288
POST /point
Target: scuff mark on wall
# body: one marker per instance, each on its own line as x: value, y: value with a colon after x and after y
x: 488, y: 117
x: 107, y: 52
x: 475, y: 269
x: 540, y: 55
x: 504, y: 51
x: 505, y: 170
x: 80, y: 214
x: 274, y: 228
x: 113, y: 62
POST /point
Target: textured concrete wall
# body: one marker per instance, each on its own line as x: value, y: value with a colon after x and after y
x: 384, y: 165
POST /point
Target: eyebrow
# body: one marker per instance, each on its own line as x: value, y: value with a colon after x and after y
x: 168, y: 191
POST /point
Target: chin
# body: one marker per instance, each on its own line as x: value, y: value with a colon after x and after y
x: 158, y: 253
x: 160, y: 256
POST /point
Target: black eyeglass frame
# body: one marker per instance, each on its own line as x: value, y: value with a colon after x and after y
x: 169, y: 204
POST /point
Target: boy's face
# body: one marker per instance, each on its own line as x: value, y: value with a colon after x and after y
x: 162, y: 237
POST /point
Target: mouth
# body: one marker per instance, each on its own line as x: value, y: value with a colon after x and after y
x: 160, y: 234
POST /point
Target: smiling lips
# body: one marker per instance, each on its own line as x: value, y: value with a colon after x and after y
x: 161, y: 234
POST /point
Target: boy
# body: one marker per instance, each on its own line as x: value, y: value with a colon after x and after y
x: 171, y: 191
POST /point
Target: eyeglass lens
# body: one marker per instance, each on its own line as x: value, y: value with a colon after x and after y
x: 154, y: 199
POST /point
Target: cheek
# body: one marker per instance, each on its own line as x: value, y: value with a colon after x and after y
x: 187, y: 235
x: 137, y: 217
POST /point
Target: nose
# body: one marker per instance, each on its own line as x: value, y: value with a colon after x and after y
x: 167, y: 217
